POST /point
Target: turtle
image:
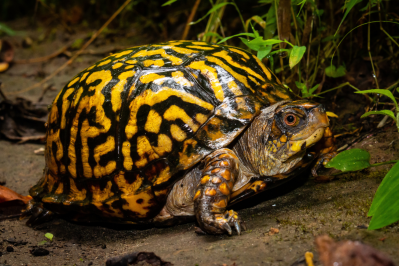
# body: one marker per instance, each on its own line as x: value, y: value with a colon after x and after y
x: 161, y: 133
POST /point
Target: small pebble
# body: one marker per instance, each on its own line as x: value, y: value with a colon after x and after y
x: 10, y: 249
x: 103, y: 246
x: 39, y: 252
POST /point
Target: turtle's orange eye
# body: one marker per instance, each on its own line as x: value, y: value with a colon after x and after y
x: 290, y: 120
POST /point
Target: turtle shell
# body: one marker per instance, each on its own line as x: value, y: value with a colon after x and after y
x: 124, y: 130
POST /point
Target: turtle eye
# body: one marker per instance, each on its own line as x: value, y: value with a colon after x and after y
x: 291, y: 120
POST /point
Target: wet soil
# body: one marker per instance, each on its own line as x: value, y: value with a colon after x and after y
x: 300, y: 210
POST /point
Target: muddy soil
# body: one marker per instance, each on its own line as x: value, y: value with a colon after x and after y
x: 301, y: 209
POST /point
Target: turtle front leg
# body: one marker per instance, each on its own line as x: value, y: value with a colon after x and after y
x: 220, y: 172
x: 327, y: 149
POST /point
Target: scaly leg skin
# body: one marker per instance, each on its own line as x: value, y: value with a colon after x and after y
x: 38, y: 214
x: 213, y: 195
x: 327, y: 150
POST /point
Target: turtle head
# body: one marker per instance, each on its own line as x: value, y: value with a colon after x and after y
x: 278, y: 138
x: 297, y: 125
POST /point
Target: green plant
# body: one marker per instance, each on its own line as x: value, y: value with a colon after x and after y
x: 394, y: 115
x: 384, y: 206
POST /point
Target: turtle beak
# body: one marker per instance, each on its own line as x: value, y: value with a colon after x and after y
x: 314, y: 131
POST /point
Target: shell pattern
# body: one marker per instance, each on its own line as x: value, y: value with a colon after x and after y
x: 124, y: 130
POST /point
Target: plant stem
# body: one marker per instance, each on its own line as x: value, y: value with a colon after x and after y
x: 383, y: 163
x: 279, y: 37
x: 369, y: 50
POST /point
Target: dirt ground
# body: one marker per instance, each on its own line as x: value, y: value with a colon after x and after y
x: 301, y: 209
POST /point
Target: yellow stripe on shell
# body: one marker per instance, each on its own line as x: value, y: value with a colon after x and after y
x: 179, y: 78
x: 129, y: 67
x: 225, y: 55
x: 145, y: 151
x: 158, y: 63
x: 234, y: 88
x: 265, y: 69
x: 177, y: 133
x: 104, y: 63
x: 165, y: 145
x: 240, y: 52
x: 74, y: 193
x: 201, y: 118
x: 200, y: 43
x: 52, y: 159
x: 84, y: 76
x: 152, y: 77
x: 60, y: 189
x: 65, y: 106
x: 201, y: 47
x: 187, y: 158
x: 161, y: 52
x: 100, y: 150
x: 117, y: 65
x: 150, y: 98
x: 239, y: 77
x: 98, y: 195
x: 116, y: 99
x: 131, y: 62
x: 88, y: 131
x: 153, y: 123
x: 127, y: 160
x: 120, y: 54
x: 212, y: 75
x: 163, y: 176
x: 146, y: 197
x: 124, y: 186
x: 89, y: 68
x: 181, y: 50
x: 73, y: 82
x: 174, y: 112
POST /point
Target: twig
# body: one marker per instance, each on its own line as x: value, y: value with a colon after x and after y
x: 190, y: 19
x: 42, y: 59
x: 77, y: 53
x: 1, y: 93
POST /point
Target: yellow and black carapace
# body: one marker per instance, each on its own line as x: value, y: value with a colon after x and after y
x: 159, y: 133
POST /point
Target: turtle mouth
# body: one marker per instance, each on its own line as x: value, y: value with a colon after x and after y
x: 298, y: 145
x: 295, y: 147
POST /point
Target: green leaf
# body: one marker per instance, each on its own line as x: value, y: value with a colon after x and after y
x: 239, y: 34
x: 296, y: 55
x: 313, y: 89
x: 49, y: 236
x: 333, y: 72
x: 42, y: 243
x: 382, y: 112
x: 7, y: 30
x: 169, y: 2
x: 260, y: 41
x: 213, y: 9
x: 383, y: 92
x: 251, y: 46
x: 348, y: 7
x: 258, y: 20
x: 264, y: 51
x: 350, y: 160
x: 384, y: 207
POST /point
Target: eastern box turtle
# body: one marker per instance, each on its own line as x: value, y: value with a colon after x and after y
x: 158, y: 133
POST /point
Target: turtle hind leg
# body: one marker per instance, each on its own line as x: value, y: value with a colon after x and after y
x: 38, y: 214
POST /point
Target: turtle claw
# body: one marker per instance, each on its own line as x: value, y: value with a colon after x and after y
x: 227, y: 227
x: 238, y: 227
x: 224, y: 223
